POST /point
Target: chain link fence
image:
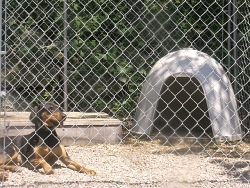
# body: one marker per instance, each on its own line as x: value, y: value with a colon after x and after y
x: 94, y: 56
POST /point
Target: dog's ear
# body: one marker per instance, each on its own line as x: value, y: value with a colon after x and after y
x: 34, y: 118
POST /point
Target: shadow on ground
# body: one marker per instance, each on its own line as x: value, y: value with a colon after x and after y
x: 232, y: 156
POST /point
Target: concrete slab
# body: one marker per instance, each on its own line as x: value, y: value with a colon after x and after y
x: 80, y: 128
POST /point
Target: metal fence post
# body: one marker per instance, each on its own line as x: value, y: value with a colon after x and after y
x: 65, y: 66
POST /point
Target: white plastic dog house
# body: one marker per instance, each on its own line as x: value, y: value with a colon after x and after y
x: 185, y: 84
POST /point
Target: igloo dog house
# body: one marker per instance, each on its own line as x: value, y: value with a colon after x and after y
x: 184, y: 88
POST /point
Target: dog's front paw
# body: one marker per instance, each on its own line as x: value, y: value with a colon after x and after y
x: 91, y: 172
x: 50, y: 171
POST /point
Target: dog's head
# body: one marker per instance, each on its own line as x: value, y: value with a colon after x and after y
x: 47, y: 116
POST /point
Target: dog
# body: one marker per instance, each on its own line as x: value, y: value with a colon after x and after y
x: 41, y: 148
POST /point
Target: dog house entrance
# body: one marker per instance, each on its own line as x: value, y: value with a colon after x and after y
x: 182, y: 109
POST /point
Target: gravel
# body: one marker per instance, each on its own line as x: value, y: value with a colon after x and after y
x: 143, y: 164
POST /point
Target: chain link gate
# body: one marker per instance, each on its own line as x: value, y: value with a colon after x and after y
x: 93, y: 57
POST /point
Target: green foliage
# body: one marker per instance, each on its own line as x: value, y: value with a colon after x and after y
x: 111, y: 44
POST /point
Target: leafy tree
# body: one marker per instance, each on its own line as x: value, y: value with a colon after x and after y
x: 111, y: 46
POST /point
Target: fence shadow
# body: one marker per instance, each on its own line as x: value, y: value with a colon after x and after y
x: 235, y: 169
x: 233, y: 157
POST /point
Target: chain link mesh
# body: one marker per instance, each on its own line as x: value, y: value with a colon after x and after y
x: 94, y: 56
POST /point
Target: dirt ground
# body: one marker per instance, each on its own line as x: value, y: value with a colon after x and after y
x: 148, y: 163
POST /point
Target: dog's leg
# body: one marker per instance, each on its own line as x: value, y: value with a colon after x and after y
x: 11, y: 168
x: 38, y: 161
x: 61, y: 153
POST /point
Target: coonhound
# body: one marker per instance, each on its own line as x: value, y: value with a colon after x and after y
x: 41, y: 148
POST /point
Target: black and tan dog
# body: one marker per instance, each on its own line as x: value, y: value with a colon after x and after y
x: 41, y: 148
